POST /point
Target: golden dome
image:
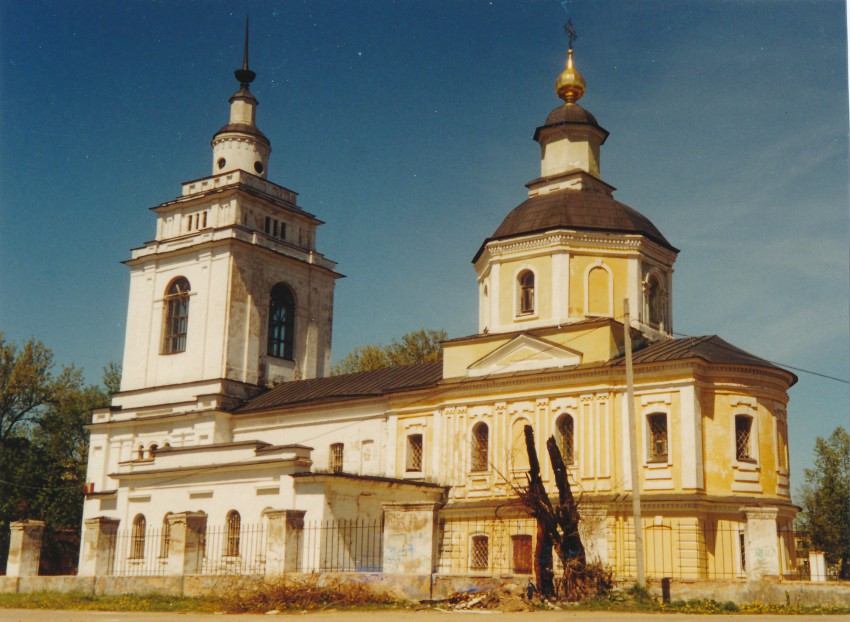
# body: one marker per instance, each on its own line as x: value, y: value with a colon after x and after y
x: 570, y: 84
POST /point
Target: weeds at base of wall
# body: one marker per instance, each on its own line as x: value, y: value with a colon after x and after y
x: 636, y: 598
x: 309, y: 593
x: 90, y: 602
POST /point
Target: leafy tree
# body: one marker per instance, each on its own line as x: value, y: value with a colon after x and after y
x: 825, y: 498
x: 44, y: 441
x: 420, y: 346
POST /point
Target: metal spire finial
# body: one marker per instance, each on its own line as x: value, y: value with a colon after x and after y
x: 245, y: 75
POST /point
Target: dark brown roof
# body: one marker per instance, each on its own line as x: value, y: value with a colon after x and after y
x: 350, y: 386
x: 710, y: 348
x: 244, y: 128
x: 584, y: 210
x: 569, y: 114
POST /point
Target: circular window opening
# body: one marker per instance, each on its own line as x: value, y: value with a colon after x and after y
x: 258, y: 166
x: 221, y: 162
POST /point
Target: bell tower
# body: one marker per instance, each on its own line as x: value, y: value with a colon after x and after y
x: 232, y: 294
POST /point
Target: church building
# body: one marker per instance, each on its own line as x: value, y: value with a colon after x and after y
x: 229, y: 427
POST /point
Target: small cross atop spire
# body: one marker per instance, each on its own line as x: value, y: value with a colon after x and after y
x: 571, y: 33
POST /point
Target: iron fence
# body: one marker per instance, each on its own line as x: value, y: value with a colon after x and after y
x: 679, y: 549
x: 342, y: 546
x: 234, y: 551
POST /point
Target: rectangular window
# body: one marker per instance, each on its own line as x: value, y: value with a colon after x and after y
x: 414, y: 453
x: 743, y: 437
x: 205, y: 221
x: 268, y: 228
x: 656, y: 425
x: 335, y: 465
x: 522, y: 554
x: 479, y: 558
x: 782, y: 444
x: 283, y: 231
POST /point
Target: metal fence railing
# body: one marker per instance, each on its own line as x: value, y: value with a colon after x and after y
x: 683, y: 549
x: 234, y: 551
x: 342, y: 546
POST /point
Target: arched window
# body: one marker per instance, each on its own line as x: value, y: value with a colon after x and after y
x: 480, y: 448
x: 152, y: 450
x: 336, y: 457
x: 743, y: 438
x: 137, y: 541
x: 656, y: 424
x: 479, y: 557
x: 525, y: 283
x: 234, y: 524
x: 653, y: 290
x: 566, y: 438
x: 140, y: 452
x: 176, y: 316
x: 281, y: 322
x: 165, y: 540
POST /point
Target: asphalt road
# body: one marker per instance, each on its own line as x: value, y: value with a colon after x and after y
x: 45, y: 615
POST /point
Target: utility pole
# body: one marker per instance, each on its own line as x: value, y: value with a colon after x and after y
x: 633, y: 454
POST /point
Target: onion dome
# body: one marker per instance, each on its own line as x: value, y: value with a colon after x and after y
x: 570, y: 85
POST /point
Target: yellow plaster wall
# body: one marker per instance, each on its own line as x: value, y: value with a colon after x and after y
x: 579, y: 265
x: 508, y: 273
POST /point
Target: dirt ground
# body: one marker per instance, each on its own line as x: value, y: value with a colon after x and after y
x: 44, y: 615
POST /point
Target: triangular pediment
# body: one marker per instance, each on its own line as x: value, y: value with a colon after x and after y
x: 524, y: 353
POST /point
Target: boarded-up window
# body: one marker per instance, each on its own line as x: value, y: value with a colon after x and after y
x: 522, y: 554
x: 519, y: 452
x: 598, y: 299
x: 782, y: 444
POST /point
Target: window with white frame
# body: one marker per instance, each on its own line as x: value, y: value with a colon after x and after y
x: 336, y: 454
x: 566, y: 437
x: 525, y: 290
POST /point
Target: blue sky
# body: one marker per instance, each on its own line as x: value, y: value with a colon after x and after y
x: 406, y: 127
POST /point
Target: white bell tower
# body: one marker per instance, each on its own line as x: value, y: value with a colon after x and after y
x: 231, y: 295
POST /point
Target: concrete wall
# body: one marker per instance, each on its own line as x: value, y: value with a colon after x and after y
x: 435, y: 587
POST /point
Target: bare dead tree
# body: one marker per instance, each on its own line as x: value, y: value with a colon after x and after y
x: 558, y: 525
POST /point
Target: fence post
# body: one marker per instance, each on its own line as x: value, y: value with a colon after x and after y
x: 762, y: 542
x: 97, y: 553
x: 409, y: 538
x: 817, y: 567
x: 186, y: 543
x: 285, y: 528
x: 24, y: 548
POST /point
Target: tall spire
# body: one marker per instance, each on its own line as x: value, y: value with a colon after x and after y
x: 245, y: 75
x: 570, y: 84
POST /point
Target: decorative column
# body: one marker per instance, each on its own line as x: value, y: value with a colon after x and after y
x: 593, y: 530
x: 285, y: 528
x: 762, y: 542
x: 185, y: 542
x: 97, y: 554
x: 409, y: 538
x: 24, y: 548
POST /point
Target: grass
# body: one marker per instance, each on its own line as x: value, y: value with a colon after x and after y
x: 89, y: 602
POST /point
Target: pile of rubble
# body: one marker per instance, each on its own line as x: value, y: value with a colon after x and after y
x: 507, y: 597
